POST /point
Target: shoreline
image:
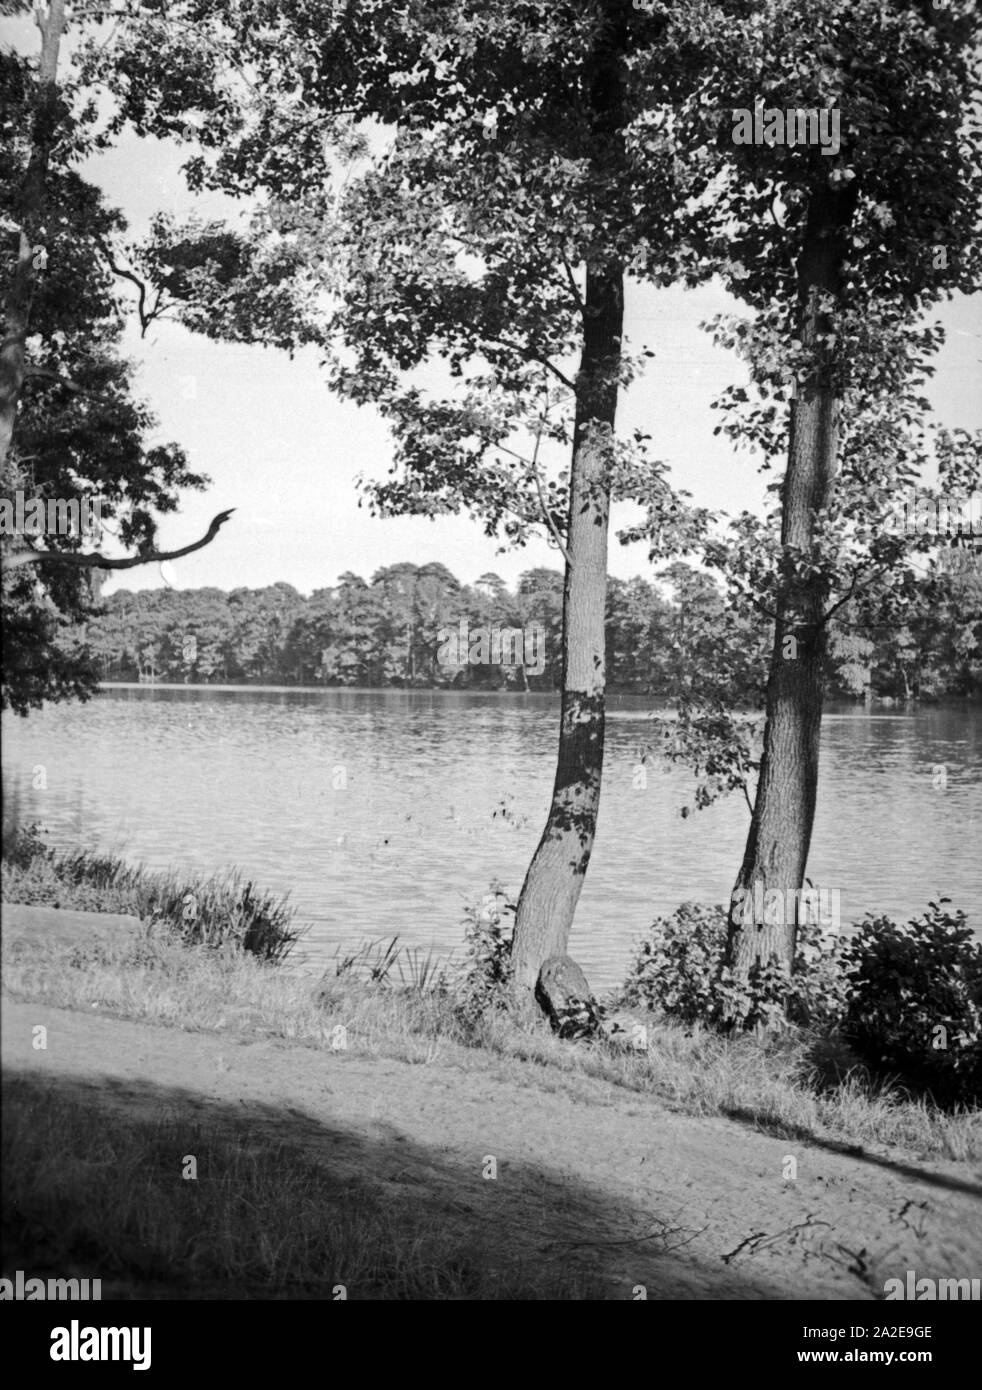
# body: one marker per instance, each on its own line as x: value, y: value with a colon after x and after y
x: 835, y: 708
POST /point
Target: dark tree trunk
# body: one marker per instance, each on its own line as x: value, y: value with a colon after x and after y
x: 555, y: 876
x: 778, y: 842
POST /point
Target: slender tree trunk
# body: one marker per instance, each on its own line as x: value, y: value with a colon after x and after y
x: 552, y: 886
x: 17, y: 302
x: 555, y: 876
x: 778, y: 842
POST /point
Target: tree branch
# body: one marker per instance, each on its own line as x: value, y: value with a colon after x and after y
x: 533, y: 473
x: 534, y: 470
x: 573, y: 286
x: 43, y: 374
x: 531, y: 356
x: 548, y: 519
x: 146, y: 318
x: 829, y: 613
x: 104, y: 562
x: 755, y: 602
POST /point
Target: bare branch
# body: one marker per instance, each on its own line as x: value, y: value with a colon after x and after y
x: 146, y: 317
x: 511, y: 452
x: 104, y: 562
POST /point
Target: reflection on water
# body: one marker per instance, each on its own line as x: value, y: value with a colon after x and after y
x: 387, y: 811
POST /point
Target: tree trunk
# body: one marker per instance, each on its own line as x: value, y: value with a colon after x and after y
x: 30, y: 215
x: 555, y: 876
x: 778, y: 842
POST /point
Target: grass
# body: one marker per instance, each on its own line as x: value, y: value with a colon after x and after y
x: 212, y: 911
x: 260, y: 1219
x: 802, y: 1084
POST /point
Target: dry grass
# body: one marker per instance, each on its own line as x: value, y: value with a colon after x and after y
x: 800, y: 1085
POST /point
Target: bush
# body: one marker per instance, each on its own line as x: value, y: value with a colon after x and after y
x: 484, y: 982
x: 23, y: 844
x: 915, y: 1002
x: 675, y: 967
x: 678, y: 970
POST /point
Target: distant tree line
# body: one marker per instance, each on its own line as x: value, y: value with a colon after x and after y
x: 660, y: 636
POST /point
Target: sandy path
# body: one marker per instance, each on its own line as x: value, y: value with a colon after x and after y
x: 688, y: 1207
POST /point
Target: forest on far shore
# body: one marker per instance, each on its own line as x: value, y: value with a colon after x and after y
x: 662, y: 637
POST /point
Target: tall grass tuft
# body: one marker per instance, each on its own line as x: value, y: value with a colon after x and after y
x: 218, y: 911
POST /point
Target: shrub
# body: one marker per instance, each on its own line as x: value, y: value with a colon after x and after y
x: 484, y: 981
x: 678, y: 970
x: 23, y: 844
x: 675, y: 967
x: 915, y: 1002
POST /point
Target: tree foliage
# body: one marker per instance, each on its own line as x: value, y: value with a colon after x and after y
x: 81, y: 433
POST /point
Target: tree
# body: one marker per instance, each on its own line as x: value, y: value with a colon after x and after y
x: 838, y: 252
x: 69, y: 426
x: 492, y: 230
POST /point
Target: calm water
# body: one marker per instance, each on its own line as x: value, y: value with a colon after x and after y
x: 446, y: 792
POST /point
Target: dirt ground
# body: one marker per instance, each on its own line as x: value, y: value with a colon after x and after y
x: 692, y: 1208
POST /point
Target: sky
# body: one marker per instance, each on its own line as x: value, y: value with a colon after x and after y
x: 286, y: 454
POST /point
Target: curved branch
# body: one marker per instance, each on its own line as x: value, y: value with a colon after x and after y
x: 104, y: 562
x: 146, y: 315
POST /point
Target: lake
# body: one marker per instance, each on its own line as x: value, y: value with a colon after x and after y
x: 385, y: 811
